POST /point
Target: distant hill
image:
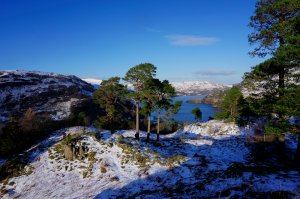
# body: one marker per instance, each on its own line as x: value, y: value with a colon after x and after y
x: 197, y: 87
x: 182, y: 88
x: 49, y: 93
x: 94, y: 81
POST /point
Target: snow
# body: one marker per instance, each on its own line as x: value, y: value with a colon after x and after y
x: 25, y: 73
x: 63, y: 109
x: 196, y: 87
x: 93, y: 81
x: 184, y: 87
x: 20, y: 85
x: 193, y: 87
x: 196, y: 161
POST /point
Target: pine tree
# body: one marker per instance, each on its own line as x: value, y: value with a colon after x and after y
x: 197, y: 113
x: 148, y: 106
x: 163, y: 93
x: 112, y: 97
x: 230, y: 104
x: 137, y: 76
x: 276, y: 25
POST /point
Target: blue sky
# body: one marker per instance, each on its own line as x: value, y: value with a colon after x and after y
x: 185, y: 39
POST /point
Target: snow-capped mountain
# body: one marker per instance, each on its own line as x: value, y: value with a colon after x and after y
x: 182, y: 88
x: 94, y: 81
x: 43, y: 92
x: 197, y: 87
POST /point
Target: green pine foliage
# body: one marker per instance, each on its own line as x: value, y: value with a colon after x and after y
x: 112, y: 98
x: 230, y: 104
x: 138, y: 76
x: 276, y: 28
x: 197, y: 113
x: 162, y: 93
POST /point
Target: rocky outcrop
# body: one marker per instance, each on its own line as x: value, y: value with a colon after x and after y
x: 72, y: 152
x: 68, y: 153
x: 49, y: 93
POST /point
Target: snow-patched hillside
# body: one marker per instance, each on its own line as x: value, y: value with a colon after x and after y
x: 201, y: 160
x: 197, y: 87
x: 43, y: 92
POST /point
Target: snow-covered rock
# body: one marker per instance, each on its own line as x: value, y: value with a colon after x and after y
x: 43, y: 92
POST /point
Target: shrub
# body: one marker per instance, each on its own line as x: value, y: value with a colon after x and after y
x: 271, y: 130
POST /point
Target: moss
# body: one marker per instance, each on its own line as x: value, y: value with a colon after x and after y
x: 91, y: 156
x: 84, y: 174
x: 68, y: 139
x: 157, y: 160
x: 175, y: 160
x: 121, y: 139
x: 58, y: 148
x: 29, y: 170
x: 154, y: 153
x: 132, y: 154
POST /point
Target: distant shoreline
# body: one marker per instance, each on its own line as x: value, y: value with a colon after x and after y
x: 213, y: 102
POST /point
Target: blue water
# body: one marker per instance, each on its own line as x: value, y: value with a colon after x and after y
x: 185, y: 113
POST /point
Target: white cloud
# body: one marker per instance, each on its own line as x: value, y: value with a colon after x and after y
x: 190, y: 40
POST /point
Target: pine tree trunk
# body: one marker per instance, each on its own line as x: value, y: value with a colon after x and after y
x: 281, y: 70
x: 281, y: 81
x: 137, y: 120
x: 111, y: 126
x: 158, y: 120
x: 297, y: 158
x: 149, y: 123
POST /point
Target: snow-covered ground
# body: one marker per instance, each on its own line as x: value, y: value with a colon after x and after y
x: 200, y: 160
